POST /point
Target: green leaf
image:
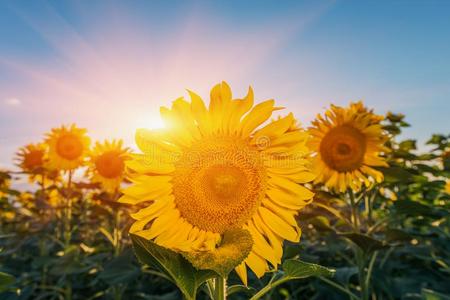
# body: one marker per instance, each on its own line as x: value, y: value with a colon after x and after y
x: 297, y: 269
x: 239, y: 288
x: 321, y: 223
x: 436, y: 139
x: 173, y: 264
x: 408, y: 145
x: 413, y: 208
x: 432, y: 295
x: 395, y: 118
x: 294, y: 269
x: 5, y: 281
x: 396, y: 174
x: 119, y: 270
x: 397, y: 235
x: 235, y: 247
x: 344, y: 274
x: 364, y: 242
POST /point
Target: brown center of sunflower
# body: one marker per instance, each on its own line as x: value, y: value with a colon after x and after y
x: 218, y: 184
x: 69, y: 146
x: 343, y: 148
x: 33, y: 159
x: 110, y: 164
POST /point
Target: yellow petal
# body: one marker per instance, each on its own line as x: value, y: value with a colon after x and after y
x: 278, y: 225
x: 200, y: 113
x: 241, y: 270
x: 143, y: 163
x: 258, y: 115
x: 285, y: 199
x: 286, y: 214
x: 257, y: 264
x: 238, y: 108
x: 286, y: 184
x: 149, y: 140
x: 275, y: 128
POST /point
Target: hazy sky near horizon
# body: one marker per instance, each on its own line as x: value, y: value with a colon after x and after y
x: 109, y: 65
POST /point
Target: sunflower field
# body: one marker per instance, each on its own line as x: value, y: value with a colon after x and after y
x: 232, y: 199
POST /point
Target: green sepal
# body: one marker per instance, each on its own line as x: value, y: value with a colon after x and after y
x: 233, y: 250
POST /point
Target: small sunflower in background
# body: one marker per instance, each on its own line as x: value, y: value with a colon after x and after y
x: 107, y: 164
x: 447, y: 187
x: 217, y: 169
x: 32, y: 159
x: 347, y: 143
x: 5, y: 183
x: 67, y: 147
x: 54, y: 199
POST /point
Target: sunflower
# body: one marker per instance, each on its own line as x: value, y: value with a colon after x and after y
x: 107, y: 164
x: 5, y: 183
x: 347, y: 143
x: 447, y: 187
x: 32, y: 158
x: 216, y: 169
x: 67, y: 147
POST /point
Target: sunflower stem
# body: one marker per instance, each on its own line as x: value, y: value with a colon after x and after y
x: 117, y: 230
x: 68, y: 219
x: 220, y: 285
x: 354, y: 209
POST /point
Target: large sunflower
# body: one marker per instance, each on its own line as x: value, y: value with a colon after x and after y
x: 107, y: 164
x: 67, y: 147
x: 347, y: 143
x: 215, y: 169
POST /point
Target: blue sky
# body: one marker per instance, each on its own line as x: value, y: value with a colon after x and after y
x: 108, y: 66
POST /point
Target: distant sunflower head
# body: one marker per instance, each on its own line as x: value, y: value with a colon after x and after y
x: 32, y: 158
x: 67, y: 147
x: 107, y: 164
x: 218, y: 168
x: 347, y: 143
x: 5, y: 183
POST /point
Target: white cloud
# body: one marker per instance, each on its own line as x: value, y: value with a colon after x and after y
x: 12, y: 101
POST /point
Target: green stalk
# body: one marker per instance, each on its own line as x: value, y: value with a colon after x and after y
x: 369, y: 273
x: 68, y: 216
x: 354, y: 209
x: 42, y: 246
x: 339, y: 287
x: 220, y: 286
x: 360, y: 262
x: 359, y: 255
x: 117, y: 234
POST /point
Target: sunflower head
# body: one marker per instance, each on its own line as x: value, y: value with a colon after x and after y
x: 216, y: 169
x: 5, y: 183
x: 67, y: 147
x: 32, y: 158
x: 347, y: 143
x: 107, y: 164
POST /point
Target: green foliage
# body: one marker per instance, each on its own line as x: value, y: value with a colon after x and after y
x: 388, y: 242
x: 5, y: 281
x: 172, y: 266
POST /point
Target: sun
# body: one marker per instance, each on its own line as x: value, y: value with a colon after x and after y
x: 212, y: 170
